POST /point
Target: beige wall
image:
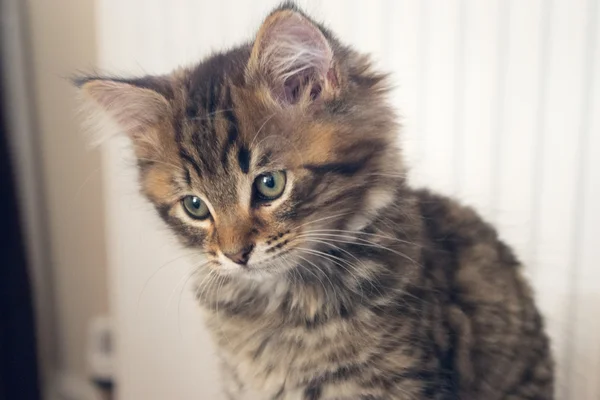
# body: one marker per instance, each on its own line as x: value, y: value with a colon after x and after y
x: 63, y: 42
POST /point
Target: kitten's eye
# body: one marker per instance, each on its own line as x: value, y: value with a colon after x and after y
x: 195, y: 207
x: 270, y: 186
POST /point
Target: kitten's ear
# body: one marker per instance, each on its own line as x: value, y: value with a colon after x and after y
x: 294, y: 56
x: 135, y: 108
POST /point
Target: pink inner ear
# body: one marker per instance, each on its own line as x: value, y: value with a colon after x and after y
x: 295, y: 55
x: 296, y: 85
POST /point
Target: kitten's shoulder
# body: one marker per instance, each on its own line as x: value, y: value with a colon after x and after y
x: 455, y: 227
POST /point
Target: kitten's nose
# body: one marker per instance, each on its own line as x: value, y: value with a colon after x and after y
x: 241, y: 257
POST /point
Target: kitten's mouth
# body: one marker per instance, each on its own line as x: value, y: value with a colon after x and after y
x: 268, y: 265
x: 273, y: 256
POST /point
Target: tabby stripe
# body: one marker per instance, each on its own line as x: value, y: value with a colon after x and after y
x: 312, y: 393
x: 261, y: 348
x: 307, y: 194
x: 342, y: 195
x: 187, y: 177
x: 190, y: 160
x: 340, y: 374
x: 178, y: 128
x: 163, y: 210
x: 231, y: 138
x: 211, y: 105
x: 232, y: 131
x: 244, y: 159
x: 350, y: 168
x: 347, y: 169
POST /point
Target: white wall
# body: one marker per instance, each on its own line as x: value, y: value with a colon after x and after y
x: 501, y: 108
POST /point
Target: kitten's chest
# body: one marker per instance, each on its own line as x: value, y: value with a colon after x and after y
x: 264, y: 358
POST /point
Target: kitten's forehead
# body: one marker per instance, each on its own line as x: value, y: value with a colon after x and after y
x: 218, y: 127
x: 212, y: 140
x: 207, y: 127
x: 203, y: 83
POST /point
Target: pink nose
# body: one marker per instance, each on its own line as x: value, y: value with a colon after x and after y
x: 241, y: 257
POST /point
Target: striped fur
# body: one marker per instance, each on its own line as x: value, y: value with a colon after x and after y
x: 357, y: 286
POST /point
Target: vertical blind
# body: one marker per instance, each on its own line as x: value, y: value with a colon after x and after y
x: 500, y: 106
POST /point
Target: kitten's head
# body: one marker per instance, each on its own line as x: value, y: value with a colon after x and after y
x: 256, y: 154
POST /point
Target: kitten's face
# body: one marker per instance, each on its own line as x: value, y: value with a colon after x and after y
x: 259, y: 156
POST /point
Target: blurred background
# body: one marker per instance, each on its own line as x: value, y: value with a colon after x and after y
x: 500, y: 102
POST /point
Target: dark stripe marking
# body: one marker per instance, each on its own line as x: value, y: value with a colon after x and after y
x: 347, y: 169
x: 231, y: 138
x: 261, y: 348
x: 178, y: 128
x: 244, y: 159
x: 188, y: 178
x: 211, y: 101
x: 232, y: 131
x: 190, y: 160
x: 342, y: 373
x: 232, y: 135
x: 312, y: 393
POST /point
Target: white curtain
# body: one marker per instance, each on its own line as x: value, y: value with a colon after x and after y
x: 500, y: 101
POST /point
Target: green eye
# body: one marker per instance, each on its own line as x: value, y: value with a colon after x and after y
x: 195, y: 207
x: 270, y: 186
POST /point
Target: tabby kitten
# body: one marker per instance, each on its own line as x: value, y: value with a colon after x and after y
x: 327, y: 276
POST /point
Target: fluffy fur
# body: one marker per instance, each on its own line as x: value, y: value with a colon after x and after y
x: 356, y: 286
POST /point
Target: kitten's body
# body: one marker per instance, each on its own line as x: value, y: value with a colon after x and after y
x: 345, y: 283
x: 458, y: 322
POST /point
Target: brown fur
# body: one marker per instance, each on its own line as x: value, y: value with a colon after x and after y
x: 358, y: 286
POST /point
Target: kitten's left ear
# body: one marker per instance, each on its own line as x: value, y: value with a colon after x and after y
x: 293, y: 55
x: 133, y: 104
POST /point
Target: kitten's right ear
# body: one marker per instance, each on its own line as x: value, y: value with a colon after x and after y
x: 292, y: 54
x: 133, y: 107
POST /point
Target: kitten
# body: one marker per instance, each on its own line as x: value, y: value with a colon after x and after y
x: 327, y: 276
